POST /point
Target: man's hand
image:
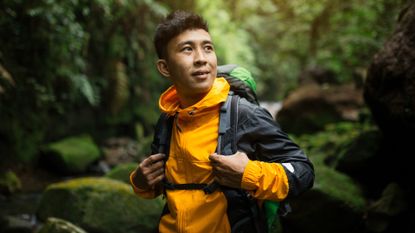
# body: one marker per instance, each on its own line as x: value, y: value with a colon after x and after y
x: 149, y: 172
x: 229, y: 169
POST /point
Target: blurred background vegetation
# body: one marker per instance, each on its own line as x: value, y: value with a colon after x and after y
x: 75, y: 66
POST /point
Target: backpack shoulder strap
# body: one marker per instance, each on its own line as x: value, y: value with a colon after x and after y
x: 227, y: 145
x: 161, y: 141
x: 228, y: 124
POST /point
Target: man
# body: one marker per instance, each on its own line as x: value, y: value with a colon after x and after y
x: 188, y: 60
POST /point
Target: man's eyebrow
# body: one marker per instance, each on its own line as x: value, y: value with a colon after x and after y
x: 191, y: 42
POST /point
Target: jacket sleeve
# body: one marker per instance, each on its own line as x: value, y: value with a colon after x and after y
x: 278, y: 167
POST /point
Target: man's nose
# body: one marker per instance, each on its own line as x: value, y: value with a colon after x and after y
x: 200, y: 57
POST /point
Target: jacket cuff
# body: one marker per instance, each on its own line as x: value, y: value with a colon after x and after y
x: 251, y: 175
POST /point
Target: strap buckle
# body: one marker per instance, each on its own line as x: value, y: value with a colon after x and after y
x: 211, y: 188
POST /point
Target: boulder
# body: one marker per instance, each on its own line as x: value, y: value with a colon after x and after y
x: 311, y: 107
x: 56, y: 225
x: 70, y: 155
x: 15, y: 224
x: 100, y: 205
x: 386, y: 212
x: 362, y: 160
x: 389, y: 89
x: 334, y: 204
x: 122, y: 172
x: 117, y: 150
x: 317, y: 75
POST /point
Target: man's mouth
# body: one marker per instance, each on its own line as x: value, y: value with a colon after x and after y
x: 200, y: 73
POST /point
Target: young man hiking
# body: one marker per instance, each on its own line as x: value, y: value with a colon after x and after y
x: 207, y: 191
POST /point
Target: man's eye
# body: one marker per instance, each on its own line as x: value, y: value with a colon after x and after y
x: 186, y: 49
x: 209, y: 48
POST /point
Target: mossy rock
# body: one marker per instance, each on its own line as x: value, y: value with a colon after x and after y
x: 70, y: 155
x: 334, y: 204
x: 339, y: 186
x: 9, y: 182
x: 122, y: 172
x: 100, y: 205
x: 56, y: 225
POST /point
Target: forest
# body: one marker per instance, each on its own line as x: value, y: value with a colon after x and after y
x: 79, y: 94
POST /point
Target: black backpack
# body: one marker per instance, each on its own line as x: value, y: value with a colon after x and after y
x: 244, y: 213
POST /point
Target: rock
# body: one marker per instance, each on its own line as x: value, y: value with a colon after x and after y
x: 334, y: 204
x: 15, y: 224
x: 70, y: 155
x: 309, y: 108
x: 9, y: 182
x: 317, y: 75
x: 389, y: 89
x: 100, y: 205
x: 382, y: 212
x: 363, y: 161
x: 122, y: 172
x: 362, y: 149
x: 56, y: 225
x: 119, y: 150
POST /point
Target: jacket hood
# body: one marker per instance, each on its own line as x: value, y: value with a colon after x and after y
x: 169, y: 102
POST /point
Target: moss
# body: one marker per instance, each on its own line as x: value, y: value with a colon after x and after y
x: 122, y: 172
x: 9, y: 182
x: 339, y: 186
x: 100, y: 205
x: 56, y: 225
x: 72, y: 154
x: 332, y: 142
x: 98, y: 184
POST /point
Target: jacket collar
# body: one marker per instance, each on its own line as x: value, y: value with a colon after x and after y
x: 169, y: 101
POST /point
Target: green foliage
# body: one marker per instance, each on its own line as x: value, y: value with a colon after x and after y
x: 287, y: 37
x: 231, y: 41
x: 327, y: 144
x: 9, y: 182
x: 74, y: 58
x: 89, y: 65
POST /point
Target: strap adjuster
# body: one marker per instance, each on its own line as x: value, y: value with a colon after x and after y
x: 211, y: 188
x: 207, y: 188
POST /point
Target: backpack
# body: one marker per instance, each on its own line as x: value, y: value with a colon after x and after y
x: 244, y: 212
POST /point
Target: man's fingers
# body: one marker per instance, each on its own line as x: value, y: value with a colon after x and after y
x: 150, y: 177
x: 214, y: 158
x: 157, y: 173
x: 156, y: 180
x: 157, y: 157
x: 157, y: 165
x: 153, y: 159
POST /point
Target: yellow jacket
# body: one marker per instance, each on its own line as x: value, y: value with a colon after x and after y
x: 194, y: 138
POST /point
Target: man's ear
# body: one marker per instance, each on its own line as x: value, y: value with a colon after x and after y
x: 163, y: 68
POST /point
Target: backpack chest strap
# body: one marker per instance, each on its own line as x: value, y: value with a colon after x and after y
x: 207, y: 188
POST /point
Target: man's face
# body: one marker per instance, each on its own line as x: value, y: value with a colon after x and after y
x: 191, y: 63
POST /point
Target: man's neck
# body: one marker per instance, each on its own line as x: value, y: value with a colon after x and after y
x: 186, y: 101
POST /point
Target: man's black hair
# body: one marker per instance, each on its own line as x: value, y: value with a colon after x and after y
x: 174, y: 24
